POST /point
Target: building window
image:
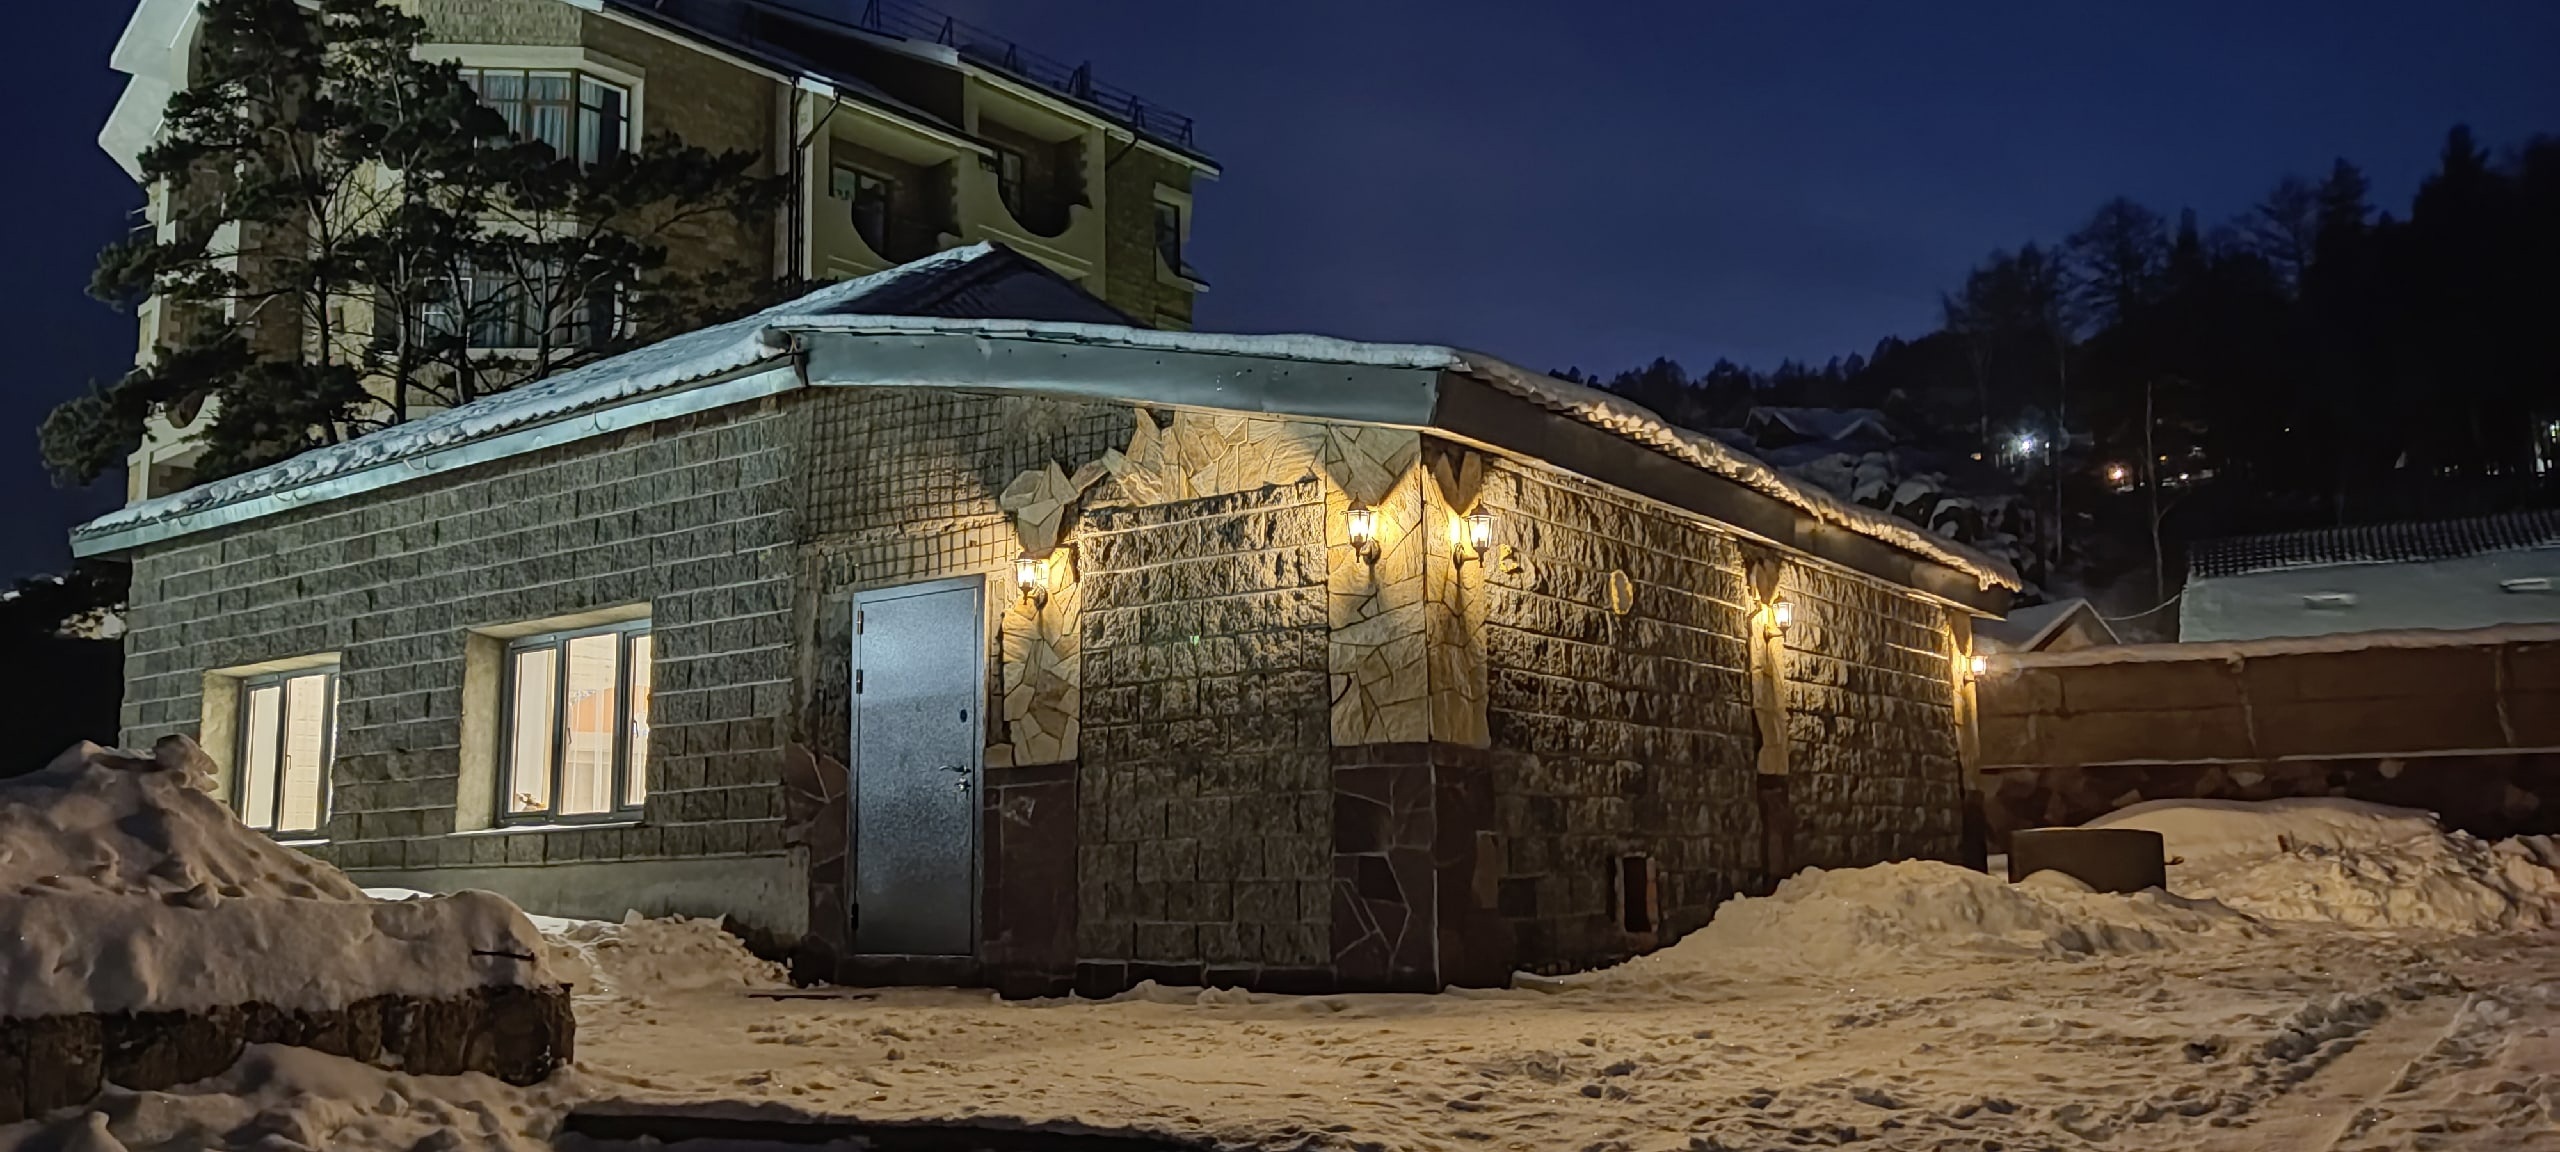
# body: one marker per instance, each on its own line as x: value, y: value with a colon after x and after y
x: 871, y: 199
x: 1169, y: 234
x: 521, y: 310
x: 1009, y: 175
x: 577, y: 723
x: 288, y: 732
x: 578, y: 116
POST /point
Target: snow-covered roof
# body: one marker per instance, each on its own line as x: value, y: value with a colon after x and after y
x: 2374, y: 544
x: 2026, y: 629
x: 845, y: 343
x: 686, y: 359
x: 1823, y: 423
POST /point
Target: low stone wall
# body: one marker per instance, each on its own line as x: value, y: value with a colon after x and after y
x: 517, y: 1034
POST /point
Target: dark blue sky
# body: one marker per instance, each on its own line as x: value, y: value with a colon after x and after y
x: 1558, y: 183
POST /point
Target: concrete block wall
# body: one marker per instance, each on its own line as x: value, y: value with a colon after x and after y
x: 690, y: 517
x: 1618, y: 702
x: 1873, y: 766
x: 1129, y: 239
x: 1206, y: 838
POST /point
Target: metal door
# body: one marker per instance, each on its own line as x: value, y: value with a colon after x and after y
x: 919, y: 675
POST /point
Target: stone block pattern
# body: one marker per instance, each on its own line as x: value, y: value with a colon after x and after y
x: 1873, y: 765
x: 1206, y: 793
x: 1613, y: 733
x: 1129, y: 254
x: 901, y: 486
x: 531, y: 22
x: 690, y: 516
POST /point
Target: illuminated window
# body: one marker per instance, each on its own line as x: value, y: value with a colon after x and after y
x: 288, y: 731
x: 577, y: 723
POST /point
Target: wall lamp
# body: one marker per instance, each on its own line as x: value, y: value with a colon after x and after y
x: 1361, y: 528
x: 1031, y: 574
x: 1478, y: 535
x: 1781, y: 615
x: 1976, y: 666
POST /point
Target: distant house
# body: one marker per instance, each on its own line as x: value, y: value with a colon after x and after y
x: 2061, y: 626
x: 1843, y: 428
x: 2472, y: 573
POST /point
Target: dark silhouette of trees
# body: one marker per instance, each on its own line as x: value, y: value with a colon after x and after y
x: 2314, y: 361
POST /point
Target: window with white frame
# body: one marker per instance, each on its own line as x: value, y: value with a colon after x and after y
x: 288, y: 732
x: 576, y: 734
x: 577, y: 115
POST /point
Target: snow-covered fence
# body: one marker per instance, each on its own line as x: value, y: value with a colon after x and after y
x: 2464, y: 723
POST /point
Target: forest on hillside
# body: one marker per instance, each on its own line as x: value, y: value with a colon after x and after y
x: 2089, y: 404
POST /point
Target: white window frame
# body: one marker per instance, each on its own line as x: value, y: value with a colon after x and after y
x: 627, y: 731
x: 243, y: 768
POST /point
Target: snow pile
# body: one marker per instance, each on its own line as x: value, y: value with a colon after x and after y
x: 277, y: 1097
x: 1888, y: 917
x: 641, y: 957
x: 122, y: 879
x: 2351, y: 863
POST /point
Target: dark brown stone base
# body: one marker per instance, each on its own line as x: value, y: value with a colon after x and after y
x: 519, y: 1035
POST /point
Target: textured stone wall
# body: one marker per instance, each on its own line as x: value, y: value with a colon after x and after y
x: 1129, y: 238
x: 1619, y: 713
x: 1206, y: 792
x: 710, y: 104
x: 529, y: 22
x: 690, y: 517
x: 900, y: 486
x: 1873, y: 769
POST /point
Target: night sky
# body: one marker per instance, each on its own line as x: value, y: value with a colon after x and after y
x: 1562, y: 184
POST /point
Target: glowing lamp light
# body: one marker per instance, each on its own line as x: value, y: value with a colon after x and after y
x: 1976, y: 666
x: 1781, y: 614
x: 1479, y: 532
x: 1031, y: 574
x: 2115, y: 473
x: 2026, y: 445
x: 1361, y: 527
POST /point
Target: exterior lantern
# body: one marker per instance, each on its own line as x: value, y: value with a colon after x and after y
x: 1781, y: 614
x: 1031, y: 574
x: 1479, y: 532
x: 1361, y: 527
x: 1976, y: 666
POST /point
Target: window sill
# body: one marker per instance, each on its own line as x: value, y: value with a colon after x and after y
x: 568, y: 826
x: 306, y: 842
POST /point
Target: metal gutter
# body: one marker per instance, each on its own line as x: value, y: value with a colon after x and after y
x: 720, y: 392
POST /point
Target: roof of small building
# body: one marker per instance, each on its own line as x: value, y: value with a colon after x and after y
x: 2406, y: 542
x: 2027, y: 629
x: 926, y: 324
x: 1823, y: 423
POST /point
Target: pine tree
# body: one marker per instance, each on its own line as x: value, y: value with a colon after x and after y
x: 342, y: 217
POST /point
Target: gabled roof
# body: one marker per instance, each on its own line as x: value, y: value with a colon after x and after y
x: 2407, y: 542
x: 1823, y: 423
x: 939, y: 335
x: 2027, y: 629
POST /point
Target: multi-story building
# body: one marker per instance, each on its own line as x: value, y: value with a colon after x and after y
x: 903, y: 133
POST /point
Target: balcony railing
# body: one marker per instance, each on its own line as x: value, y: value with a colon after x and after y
x: 909, y: 21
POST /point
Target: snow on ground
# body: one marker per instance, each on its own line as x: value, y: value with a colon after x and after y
x: 120, y: 875
x: 2352, y: 863
x: 1903, y: 1006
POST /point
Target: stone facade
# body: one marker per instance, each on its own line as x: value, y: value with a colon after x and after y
x: 690, y: 517
x: 1222, y: 744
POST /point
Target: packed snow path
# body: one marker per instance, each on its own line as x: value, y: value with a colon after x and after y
x: 2309, y: 1039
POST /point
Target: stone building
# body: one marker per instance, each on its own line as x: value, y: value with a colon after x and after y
x: 1051, y: 653
x: 904, y: 133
